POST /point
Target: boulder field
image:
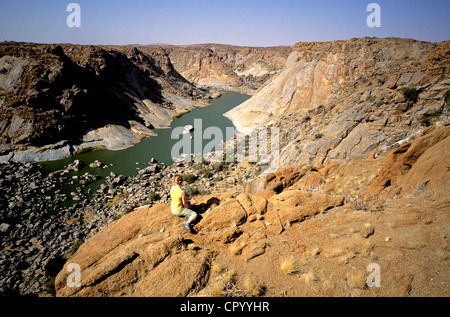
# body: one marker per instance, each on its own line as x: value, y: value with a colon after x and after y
x: 368, y: 227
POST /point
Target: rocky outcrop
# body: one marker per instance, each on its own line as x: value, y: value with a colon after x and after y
x: 56, y: 100
x: 301, y: 241
x: 84, y: 96
x: 413, y: 167
x: 228, y: 67
x: 335, y: 101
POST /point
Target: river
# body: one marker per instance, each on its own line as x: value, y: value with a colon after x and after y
x: 129, y: 161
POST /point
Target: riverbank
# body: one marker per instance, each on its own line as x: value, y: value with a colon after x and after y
x: 49, y: 216
x: 112, y: 137
x: 129, y: 161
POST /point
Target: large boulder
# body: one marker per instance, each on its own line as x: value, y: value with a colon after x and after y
x: 422, y: 163
x: 148, y: 253
x: 298, y: 205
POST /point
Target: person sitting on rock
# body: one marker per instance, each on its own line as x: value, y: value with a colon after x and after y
x: 180, y: 205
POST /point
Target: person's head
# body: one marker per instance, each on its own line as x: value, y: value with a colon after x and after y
x: 178, y: 180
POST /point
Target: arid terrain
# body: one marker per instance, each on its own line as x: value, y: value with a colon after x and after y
x: 315, y: 237
x: 361, y: 185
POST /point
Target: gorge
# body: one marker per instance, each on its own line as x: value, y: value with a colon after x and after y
x: 363, y: 174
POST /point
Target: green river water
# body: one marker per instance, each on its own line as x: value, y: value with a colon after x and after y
x: 128, y: 162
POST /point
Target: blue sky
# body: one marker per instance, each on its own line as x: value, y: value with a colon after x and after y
x: 241, y: 22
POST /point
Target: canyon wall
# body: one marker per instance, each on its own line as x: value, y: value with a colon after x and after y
x: 56, y: 100
x: 235, y: 68
x: 345, y: 99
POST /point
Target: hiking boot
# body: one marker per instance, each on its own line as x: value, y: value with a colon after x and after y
x: 187, y: 227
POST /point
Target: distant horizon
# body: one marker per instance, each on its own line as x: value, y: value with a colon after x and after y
x: 247, y: 23
x: 221, y: 44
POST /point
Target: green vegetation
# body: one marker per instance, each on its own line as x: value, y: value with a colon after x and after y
x: 154, y: 196
x: 189, y: 178
x: 219, y: 166
x: 205, y: 172
x: 411, y: 94
x: 431, y: 116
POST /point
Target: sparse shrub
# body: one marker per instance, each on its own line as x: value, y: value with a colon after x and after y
x: 253, y: 287
x: 263, y: 167
x: 75, y: 246
x: 223, y: 285
x: 216, y: 179
x: 307, y: 118
x: 219, y: 166
x: 411, y: 94
x: 289, y: 266
x: 310, y: 277
x: 442, y: 254
x: 358, y: 280
x: 49, y: 286
x: 431, y: 116
x: 189, y: 178
x: 154, y: 196
x: 88, y: 217
x: 367, y: 248
x: 217, y: 289
x: 359, y: 203
x: 205, y: 172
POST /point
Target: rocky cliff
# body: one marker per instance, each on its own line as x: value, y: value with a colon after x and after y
x: 301, y: 231
x: 345, y: 99
x: 59, y: 99
x: 235, y: 68
x: 73, y: 96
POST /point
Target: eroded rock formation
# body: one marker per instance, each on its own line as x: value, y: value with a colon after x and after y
x: 316, y: 237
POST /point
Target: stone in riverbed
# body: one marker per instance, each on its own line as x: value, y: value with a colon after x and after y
x: 96, y: 164
x: 4, y: 227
